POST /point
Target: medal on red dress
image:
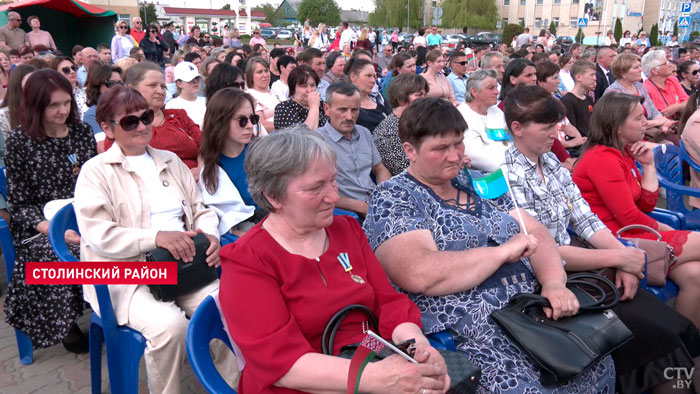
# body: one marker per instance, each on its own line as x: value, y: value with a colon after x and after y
x: 345, y: 263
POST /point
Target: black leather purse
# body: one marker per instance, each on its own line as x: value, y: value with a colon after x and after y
x: 464, y: 375
x: 191, y: 276
x: 565, y: 348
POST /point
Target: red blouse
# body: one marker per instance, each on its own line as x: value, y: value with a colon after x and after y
x: 276, y: 304
x: 178, y: 134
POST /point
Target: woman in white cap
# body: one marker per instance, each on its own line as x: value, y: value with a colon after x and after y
x: 188, y: 81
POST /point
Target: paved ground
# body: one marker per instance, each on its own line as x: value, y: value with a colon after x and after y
x: 55, y: 371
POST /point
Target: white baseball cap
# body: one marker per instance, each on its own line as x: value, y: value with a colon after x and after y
x: 186, y: 71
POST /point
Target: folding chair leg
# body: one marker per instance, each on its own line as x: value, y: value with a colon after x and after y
x: 24, y: 346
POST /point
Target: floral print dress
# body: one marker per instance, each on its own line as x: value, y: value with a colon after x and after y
x: 404, y: 204
x: 39, y: 171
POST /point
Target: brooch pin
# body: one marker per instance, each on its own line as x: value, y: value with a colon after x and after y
x: 345, y: 263
x: 74, y: 160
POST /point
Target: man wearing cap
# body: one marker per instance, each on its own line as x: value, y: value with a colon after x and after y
x: 11, y: 36
x: 137, y: 29
x: 188, y: 80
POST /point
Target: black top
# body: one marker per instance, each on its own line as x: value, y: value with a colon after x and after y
x: 578, y: 111
x: 290, y: 113
x: 601, y: 82
x: 370, y: 118
x: 153, y: 51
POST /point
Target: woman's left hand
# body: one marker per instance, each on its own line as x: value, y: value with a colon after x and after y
x: 72, y: 237
x: 429, y: 355
x: 213, y: 250
x: 641, y: 152
x: 563, y: 301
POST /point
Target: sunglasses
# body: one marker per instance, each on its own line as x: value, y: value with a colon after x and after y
x: 153, y: 31
x: 123, y: 27
x: 464, y: 63
x: 243, y: 121
x: 110, y: 83
x: 131, y: 122
x: 239, y: 85
x: 695, y: 72
x: 16, y: 20
x: 66, y: 70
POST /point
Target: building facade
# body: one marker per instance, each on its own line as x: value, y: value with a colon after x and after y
x: 211, y: 20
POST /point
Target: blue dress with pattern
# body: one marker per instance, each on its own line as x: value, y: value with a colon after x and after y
x: 403, y: 204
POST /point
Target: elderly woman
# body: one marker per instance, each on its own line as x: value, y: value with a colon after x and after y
x: 257, y: 76
x: 621, y: 195
x: 627, y: 69
x: 362, y: 74
x: 546, y: 191
x: 290, y: 265
x: 133, y: 199
x: 335, y: 64
x: 486, y: 138
x: 122, y: 43
x: 454, y: 253
x: 440, y: 87
x: 153, y: 46
x: 44, y: 156
x: 173, y: 130
x: 405, y: 89
x: 662, y: 85
x: 305, y: 105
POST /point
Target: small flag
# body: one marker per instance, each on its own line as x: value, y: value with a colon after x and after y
x: 499, y: 134
x: 368, y: 349
x: 491, y: 186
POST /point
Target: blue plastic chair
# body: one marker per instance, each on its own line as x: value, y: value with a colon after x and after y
x: 24, y: 344
x: 206, y: 325
x: 124, y: 345
x: 338, y: 211
x: 669, y: 169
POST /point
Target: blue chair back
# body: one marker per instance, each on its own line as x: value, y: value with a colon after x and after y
x: 669, y: 167
x: 686, y: 157
x: 206, y: 325
x: 3, y: 183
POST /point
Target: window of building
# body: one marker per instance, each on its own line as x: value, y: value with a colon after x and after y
x: 506, y: 2
x: 521, y: 21
x: 124, y: 17
x: 538, y: 23
x: 574, y: 1
x: 522, y: 2
x: 573, y: 22
x: 539, y: 2
x: 557, y: 1
x: 556, y: 21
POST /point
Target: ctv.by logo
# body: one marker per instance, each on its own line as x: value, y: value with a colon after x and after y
x: 682, y: 375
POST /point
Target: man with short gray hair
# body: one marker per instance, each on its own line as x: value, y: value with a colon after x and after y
x: 11, y: 36
x: 662, y: 85
x: 494, y: 61
x: 354, y: 146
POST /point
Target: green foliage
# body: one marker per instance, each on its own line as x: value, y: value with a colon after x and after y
x: 147, y: 12
x: 553, y: 28
x: 580, y: 36
x: 695, y: 33
x: 319, y: 11
x: 394, y: 13
x: 654, y: 35
x: 479, y: 14
x: 226, y: 7
x: 675, y: 30
x: 618, y: 30
x: 273, y: 15
x: 511, y: 30
x: 522, y: 23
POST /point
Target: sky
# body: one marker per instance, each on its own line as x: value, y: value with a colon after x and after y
x: 364, y: 5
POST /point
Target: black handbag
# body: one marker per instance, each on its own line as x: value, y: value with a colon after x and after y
x: 565, y: 348
x: 191, y: 276
x: 464, y: 375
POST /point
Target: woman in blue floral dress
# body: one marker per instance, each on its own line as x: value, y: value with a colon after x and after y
x: 460, y: 257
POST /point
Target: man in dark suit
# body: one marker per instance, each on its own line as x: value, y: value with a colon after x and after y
x: 604, y: 78
x: 169, y: 38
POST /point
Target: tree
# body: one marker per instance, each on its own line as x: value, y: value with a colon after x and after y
x: 580, y: 36
x: 479, y: 14
x: 553, y: 28
x: 654, y: 34
x: 319, y: 11
x: 272, y: 13
x: 395, y: 13
x: 675, y: 29
x: 147, y: 12
x: 618, y: 30
x: 226, y: 7
x: 511, y: 30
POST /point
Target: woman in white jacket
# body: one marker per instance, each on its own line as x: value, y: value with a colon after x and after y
x: 229, y: 125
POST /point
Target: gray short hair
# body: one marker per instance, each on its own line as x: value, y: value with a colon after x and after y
x: 343, y: 88
x: 487, y: 59
x: 476, y: 81
x: 273, y: 161
x: 652, y: 60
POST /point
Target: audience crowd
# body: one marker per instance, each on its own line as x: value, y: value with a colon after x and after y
x: 162, y: 135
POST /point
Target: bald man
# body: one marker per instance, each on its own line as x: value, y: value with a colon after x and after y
x: 604, y: 58
x: 137, y: 29
x: 11, y: 36
x: 89, y: 55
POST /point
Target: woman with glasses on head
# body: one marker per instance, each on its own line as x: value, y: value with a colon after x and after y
x: 121, y: 42
x: 44, y: 157
x: 304, y: 105
x: 99, y: 79
x: 153, y: 47
x: 688, y: 76
x: 69, y: 69
x: 130, y: 200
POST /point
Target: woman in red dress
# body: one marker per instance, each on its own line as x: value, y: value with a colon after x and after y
x: 286, y: 277
x: 620, y: 195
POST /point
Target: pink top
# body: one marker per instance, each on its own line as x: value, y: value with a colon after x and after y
x: 41, y: 37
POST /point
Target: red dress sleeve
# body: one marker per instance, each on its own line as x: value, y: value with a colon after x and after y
x: 559, y: 151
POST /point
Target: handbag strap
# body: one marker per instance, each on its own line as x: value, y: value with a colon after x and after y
x: 639, y: 227
x: 335, y: 321
x: 575, y: 280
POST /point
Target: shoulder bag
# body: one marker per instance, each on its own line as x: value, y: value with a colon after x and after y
x: 565, y: 348
x: 659, y: 254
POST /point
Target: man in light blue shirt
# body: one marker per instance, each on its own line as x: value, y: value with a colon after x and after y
x: 434, y: 38
x: 458, y: 77
x: 89, y: 55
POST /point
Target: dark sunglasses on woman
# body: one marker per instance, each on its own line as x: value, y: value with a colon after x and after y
x: 110, y: 83
x: 131, y: 122
x: 66, y: 70
x: 243, y: 121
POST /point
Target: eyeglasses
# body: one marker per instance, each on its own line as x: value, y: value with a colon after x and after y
x: 123, y: 27
x: 243, y: 121
x: 66, y: 70
x: 239, y: 85
x: 464, y: 63
x: 153, y: 31
x: 137, y: 23
x: 131, y: 122
x: 110, y: 83
x: 207, y: 37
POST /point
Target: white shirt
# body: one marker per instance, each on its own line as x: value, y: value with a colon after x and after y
x: 195, y: 109
x: 566, y: 80
x: 420, y: 41
x: 345, y: 38
x: 281, y: 89
x: 486, y: 154
x: 625, y: 40
x: 166, y: 207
